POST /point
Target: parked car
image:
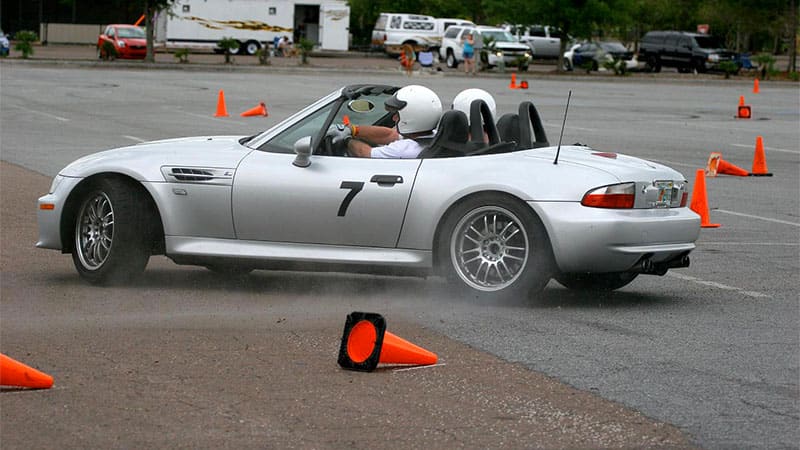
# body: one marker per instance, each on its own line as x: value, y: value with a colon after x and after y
x: 5, y: 46
x: 595, y: 55
x: 685, y: 51
x: 129, y: 41
x: 503, y: 48
x: 568, y: 56
x: 469, y: 211
x: 544, y: 40
x: 392, y: 31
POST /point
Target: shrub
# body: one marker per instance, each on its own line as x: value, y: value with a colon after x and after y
x: 228, y: 45
x: 263, y: 56
x: 182, y: 55
x: 305, y: 46
x: 108, y: 51
x: 25, y: 40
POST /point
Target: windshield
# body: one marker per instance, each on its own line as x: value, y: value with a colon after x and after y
x: 708, y: 42
x: 613, y: 47
x: 130, y: 32
x: 498, y: 36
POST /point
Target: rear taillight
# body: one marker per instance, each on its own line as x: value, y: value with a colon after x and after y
x: 684, y: 198
x: 616, y: 196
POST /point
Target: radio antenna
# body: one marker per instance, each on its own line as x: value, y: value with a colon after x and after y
x: 558, y: 151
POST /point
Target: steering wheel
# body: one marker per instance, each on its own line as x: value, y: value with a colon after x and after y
x: 332, y: 149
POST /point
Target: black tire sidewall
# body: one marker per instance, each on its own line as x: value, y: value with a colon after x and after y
x: 129, y: 251
x: 538, y: 269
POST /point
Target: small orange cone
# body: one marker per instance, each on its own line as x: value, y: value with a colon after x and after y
x: 513, y: 84
x: 755, y: 86
x: 14, y: 373
x: 726, y: 168
x: 760, y: 160
x: 523, y: 84
x: 222, y: 111
x: 365, y: 343
x: 260, y: 110
x: 744, y: 111
x: 699, y: 202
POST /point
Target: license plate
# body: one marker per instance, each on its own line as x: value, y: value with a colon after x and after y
x: 664, y: 198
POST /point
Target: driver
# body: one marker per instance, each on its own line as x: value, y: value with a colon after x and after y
x: 415, y: 110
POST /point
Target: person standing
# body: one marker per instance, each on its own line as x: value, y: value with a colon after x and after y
x: 469, y: 53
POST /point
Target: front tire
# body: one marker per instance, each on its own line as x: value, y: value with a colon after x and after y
x: 596, y: 281
x: 251, y: 47
x: 495, y: 247
x: 451, y: 61
x: 111, y: 238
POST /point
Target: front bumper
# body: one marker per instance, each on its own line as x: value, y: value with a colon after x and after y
x: 615, y: 240
x: 49, y: 220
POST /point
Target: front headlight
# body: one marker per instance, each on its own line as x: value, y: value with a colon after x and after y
x: 527, y: 55
x: 713, y: 58
x: 54, y: 185
x: 499, y: 54
x: 121, y: 44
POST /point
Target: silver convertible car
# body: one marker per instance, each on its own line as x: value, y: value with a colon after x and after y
x: 497, y: 219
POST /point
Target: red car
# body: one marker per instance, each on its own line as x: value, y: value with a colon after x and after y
x: 129, y: 42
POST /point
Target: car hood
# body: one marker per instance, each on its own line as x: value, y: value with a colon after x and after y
x: 144, y: 161
x: 134, y: 41
x: 511, y: 46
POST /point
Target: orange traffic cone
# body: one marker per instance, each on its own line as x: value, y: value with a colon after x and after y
x: 699, y: 202
x: 365, y: 343
x: 513, y: 84
x: 222, y: 111
x: 726, y: 168
x: 755, y: 86
x: 260, y: 110
x: 744, y: 111
x: 760, y: 160
x: 523, y: 84
x: 14, y: 373
x: 713, y: 163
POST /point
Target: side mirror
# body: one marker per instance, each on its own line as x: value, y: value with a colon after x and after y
x: 303, y: 150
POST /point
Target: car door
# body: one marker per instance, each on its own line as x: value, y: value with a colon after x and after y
x: 336, y: 200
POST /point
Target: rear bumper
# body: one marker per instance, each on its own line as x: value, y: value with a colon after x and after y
x: 609, y: 240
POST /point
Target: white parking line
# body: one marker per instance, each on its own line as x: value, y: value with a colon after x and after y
x: 419, y: 367
x: 134, y: 138
x: 771, y: 149
x: 53, y: 116
x: 785, y: 222
x: 714, y: 284
x: 776, y: 244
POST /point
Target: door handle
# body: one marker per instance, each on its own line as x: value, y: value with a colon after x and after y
x: 386, y: 180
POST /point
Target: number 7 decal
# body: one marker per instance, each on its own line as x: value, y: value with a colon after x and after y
x: 355, y: 187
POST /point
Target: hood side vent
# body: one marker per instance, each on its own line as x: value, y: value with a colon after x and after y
x: 198, y: 175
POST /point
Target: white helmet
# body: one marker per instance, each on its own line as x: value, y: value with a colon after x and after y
x: 464, y: 99
x: 418, y: 108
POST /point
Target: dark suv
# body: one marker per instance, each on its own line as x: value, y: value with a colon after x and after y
x: 686, y: 51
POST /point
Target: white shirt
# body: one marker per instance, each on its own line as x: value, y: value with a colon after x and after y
x: 401, y: 148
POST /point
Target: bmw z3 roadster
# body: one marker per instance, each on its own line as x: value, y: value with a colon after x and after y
x: 498, y: 217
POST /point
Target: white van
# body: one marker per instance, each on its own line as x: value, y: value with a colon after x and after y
x: 442, y: 24
x: 544, y: 40
x: 394, y: 30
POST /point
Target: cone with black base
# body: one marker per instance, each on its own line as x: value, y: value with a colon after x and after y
x: 726, y: 168
x: 14, y: 373
x: 366, y: 343
x: 258, y: 110
x: 760, y: 160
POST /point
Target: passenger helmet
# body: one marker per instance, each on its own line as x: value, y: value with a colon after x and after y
x: 464, y: 99
x: 418, y: 108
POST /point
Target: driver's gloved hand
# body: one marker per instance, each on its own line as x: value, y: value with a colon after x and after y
x: 339, y: 133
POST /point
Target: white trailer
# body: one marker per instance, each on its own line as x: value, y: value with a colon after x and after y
x: 254, y: 23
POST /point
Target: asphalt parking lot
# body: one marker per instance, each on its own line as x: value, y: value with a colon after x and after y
x: 706, y: 356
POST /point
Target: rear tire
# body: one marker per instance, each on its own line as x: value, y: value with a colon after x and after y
x: 596, y: 281
x: 111, y: 241
x: 250, y: 48
x: 496, y: 248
